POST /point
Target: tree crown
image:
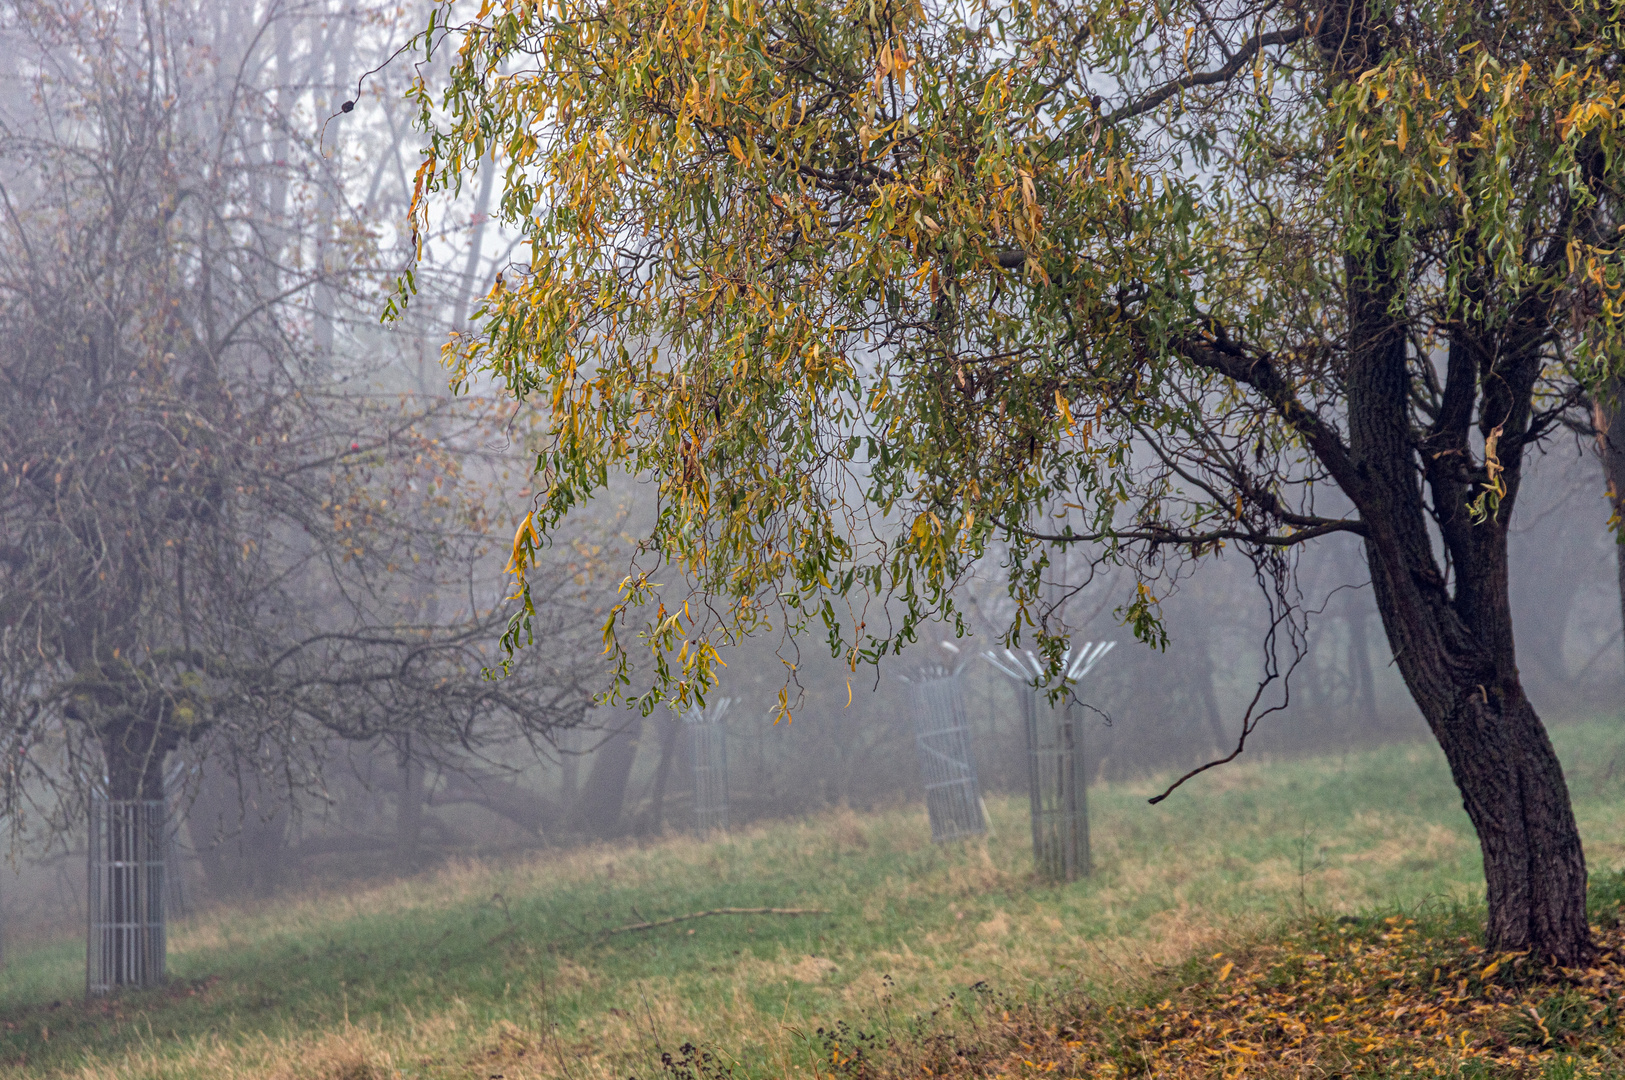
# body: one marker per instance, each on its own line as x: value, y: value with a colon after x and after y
x: 871, y: 287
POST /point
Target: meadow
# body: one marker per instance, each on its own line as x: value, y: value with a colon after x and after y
x: 520, y: 969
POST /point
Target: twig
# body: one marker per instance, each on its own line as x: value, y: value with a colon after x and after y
x: 717, y: 911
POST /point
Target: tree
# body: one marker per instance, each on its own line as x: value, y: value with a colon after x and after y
x: 212, y: 529
x: 867, y: 285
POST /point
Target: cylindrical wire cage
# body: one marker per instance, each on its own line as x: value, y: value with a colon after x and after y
x: 1057, y: 777
x: 1056, y: 790
x: 953, y: 800
x: 708, y: 743
x: 128, y: 840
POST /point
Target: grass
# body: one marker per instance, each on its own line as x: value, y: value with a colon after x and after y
x: 487, y: 969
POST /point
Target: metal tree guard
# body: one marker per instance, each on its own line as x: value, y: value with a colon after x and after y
x: 952, y: 797
x: 1057, y: 780
x: 128, y: 838
x: 708, y: 740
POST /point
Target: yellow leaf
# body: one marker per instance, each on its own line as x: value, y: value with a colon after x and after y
x: 1224, y: 972
x: 1403, y: 131
x: 1065, y: 411
x: 526, y: 528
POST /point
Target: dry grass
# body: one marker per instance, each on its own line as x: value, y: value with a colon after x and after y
x: 482, y: 969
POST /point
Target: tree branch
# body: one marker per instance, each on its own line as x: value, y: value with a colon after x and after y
x: 715, y: 911
x: 1207, y: 78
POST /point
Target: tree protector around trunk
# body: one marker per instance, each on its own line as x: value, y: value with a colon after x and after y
x: 128, y: 842
x: 708, y: 741
x: 947, y: 766
x: 1057, y: 773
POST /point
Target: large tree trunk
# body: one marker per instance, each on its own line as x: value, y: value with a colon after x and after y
x: 133, y: 755
x: 1510, y: 780
x: 1514, y: 792
x: 127, y: 844
x: 1454, y: 646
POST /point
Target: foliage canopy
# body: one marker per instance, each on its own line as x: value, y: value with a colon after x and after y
x: 872, y: 285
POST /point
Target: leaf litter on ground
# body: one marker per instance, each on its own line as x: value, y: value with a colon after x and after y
x: 1375, y: 997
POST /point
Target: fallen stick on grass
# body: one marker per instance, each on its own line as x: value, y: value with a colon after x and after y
x: 717, y: 911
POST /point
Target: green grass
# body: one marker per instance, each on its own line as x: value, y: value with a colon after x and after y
x: 486, y: 969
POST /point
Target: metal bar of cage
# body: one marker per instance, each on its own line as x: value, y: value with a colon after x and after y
x: 1057, y: 778
x: 1059, y: 800
x: 127, y: 845
x: 953, y: 799
x: 708, y: 740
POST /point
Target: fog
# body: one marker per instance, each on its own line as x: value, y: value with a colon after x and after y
x: 1149, y: 712
x: 361, y: 735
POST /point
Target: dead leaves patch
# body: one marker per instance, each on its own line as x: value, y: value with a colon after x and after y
x: 1348, y: 998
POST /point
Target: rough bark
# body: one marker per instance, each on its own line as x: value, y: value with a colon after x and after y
x: 1454, y: 647
x: 133, y: 755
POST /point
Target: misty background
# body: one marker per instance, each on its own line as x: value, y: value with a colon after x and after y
x: 333, y: 792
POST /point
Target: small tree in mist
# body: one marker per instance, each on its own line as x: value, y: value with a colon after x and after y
x: 867, y: 285
x: 210, y: 528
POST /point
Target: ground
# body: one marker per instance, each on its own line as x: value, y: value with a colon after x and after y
x: 1244, y: 903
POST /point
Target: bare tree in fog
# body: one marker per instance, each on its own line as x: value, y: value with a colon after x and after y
x: 208, y: 533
